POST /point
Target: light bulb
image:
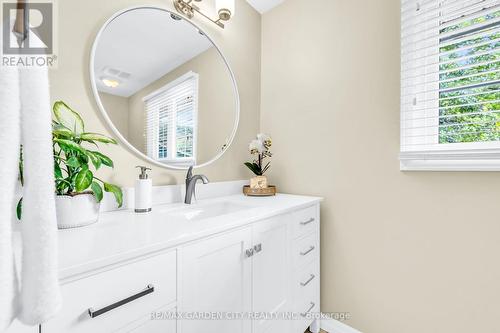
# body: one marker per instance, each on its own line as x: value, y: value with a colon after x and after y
x: 110, y: 82
x: 225, y: 9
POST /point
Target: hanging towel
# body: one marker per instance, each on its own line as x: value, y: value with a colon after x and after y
x: 40, y: 297
x: 32, y: 296
x: 9, y: 158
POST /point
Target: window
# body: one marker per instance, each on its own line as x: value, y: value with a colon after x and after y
x: 171, y: 118
x: 450, y: 85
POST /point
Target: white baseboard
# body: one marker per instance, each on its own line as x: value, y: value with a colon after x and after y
x: 335, y: 326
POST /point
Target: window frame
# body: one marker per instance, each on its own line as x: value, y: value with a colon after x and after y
x: 464, y: 156
x: 176, y: 161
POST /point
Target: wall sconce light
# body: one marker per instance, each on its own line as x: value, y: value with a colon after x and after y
x: 224, y: 8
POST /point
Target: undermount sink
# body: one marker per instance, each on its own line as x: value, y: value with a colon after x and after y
x: 203, y: 211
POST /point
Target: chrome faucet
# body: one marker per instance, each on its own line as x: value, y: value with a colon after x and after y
x: 191, y: 184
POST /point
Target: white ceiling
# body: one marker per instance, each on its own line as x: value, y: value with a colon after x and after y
x: 146, y: 43
x: 263, y: 6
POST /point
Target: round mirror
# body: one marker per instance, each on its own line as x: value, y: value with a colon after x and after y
x: 164, y: 87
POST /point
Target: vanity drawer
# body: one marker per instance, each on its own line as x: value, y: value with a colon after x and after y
x: 306, y: 250
x: 118, y: 297
x: 306, y: 311
x: 305, y: 221
x: 306, y: 296
x: 307, y: 281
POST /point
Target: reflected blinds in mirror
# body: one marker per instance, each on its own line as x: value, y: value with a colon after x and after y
x: 450, y: 77
x: 171, y: 121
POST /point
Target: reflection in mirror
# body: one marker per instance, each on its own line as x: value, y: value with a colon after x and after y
x: 165, y: 87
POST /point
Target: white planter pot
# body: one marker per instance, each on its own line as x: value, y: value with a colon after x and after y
x: 76, y: 211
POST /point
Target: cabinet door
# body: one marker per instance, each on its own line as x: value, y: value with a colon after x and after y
x: 271, y: 274
x: 215, y: 278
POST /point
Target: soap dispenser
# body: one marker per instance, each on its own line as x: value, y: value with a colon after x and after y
x: 143, y: 189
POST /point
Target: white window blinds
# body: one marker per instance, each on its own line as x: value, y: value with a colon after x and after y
x: 171, y: 121
x: 450, y: 80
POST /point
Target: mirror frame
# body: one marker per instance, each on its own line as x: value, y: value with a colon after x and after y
x: 110, y: 124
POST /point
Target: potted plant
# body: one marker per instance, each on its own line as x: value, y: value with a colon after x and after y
x: 78, y: 191
x: 260, y: 148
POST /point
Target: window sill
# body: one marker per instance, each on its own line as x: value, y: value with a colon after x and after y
x: 450, y: 165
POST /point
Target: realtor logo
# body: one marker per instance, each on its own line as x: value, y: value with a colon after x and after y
x: 40, y: 23
x: 28, y: 33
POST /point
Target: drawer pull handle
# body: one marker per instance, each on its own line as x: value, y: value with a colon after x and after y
x: 308, y: 251
x: 303, y: 284
x: 311, y: 220
x: 257, y: 248
x: 94, y: 313
x: 308, y: 310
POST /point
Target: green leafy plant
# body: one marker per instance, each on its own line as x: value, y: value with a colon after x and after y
x: 74, y: 154
x: 260, y: 147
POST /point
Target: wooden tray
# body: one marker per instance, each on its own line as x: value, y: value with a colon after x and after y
x: 259, y: 192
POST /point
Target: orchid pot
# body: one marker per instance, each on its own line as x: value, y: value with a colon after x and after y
x: 258, y: 182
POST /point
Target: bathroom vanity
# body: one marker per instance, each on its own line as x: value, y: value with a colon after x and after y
x: 230, y: 264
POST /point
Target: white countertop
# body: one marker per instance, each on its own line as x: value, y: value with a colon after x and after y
x: 123, y: 235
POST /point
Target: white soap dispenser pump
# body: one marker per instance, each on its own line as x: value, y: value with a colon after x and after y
x: 143, y: 191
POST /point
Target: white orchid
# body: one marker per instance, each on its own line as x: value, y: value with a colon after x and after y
x: 260, y: 147
x: 265, y: 139
x: 256, y: 147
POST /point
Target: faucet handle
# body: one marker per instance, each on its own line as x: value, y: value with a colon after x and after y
x: 190, y: 172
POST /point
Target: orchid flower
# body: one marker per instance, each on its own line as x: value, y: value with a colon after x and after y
x: 256, y: 147
x: 265, y: 139
x: 260, y: 147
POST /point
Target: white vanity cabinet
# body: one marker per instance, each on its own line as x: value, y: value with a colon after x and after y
x: 259, y: 275
x: 268, y: 272
x: 234, y: 276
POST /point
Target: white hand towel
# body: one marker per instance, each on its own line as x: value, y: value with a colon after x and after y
x: 40, y: 297
x: 9, y: 157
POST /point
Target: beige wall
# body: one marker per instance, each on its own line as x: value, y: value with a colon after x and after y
x: 118, y: 111
x: 216, y: 103
x: 79, y: 22
x: 403, y: 252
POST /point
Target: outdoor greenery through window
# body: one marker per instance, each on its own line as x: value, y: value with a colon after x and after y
x: 171, y: 121
x: 469, y: 97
